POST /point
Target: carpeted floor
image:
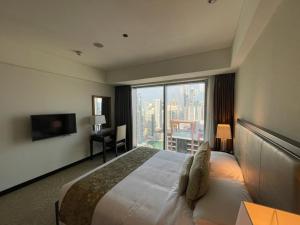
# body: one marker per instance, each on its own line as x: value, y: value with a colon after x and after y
x: 34, y: 204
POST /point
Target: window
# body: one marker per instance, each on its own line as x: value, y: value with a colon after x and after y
x: 182, y: 106
x: 149, y: 116
x: 185, y: 116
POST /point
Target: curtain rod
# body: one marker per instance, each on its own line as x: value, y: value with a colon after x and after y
x: 179, y: 81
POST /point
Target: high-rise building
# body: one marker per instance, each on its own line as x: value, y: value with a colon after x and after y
x: 157, y: 113
x: 140, y: 119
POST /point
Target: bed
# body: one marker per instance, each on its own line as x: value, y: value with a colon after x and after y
x: 143, y: 189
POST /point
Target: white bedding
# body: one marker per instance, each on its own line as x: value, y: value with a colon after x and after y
x: 224, y: 165
x: 148, y: 196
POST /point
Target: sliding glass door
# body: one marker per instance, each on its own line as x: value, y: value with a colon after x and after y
x: 185, y: 116
x: 169, y: 116
x: 148, y: 114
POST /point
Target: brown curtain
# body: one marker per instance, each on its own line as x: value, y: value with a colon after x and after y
x: 123, y: 111
x: 224, y: 105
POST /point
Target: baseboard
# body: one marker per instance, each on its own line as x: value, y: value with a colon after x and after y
x: 26, y: 183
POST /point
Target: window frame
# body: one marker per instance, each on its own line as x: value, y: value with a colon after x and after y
x: 165, y: 85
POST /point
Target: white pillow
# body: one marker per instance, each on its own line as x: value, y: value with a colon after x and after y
x: 221, y: 203
x: 224, y: 165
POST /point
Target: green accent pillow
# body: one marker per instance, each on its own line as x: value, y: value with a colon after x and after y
x: 184, y: 176
x: 199, y: 175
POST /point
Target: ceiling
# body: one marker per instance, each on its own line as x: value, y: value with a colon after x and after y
x: 157, y: 29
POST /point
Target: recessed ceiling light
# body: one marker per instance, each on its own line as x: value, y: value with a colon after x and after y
x: 125, y: 35
x: 77, y: 52
x: 212, y: 1
x: 98, y: 45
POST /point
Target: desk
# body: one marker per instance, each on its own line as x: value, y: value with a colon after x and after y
x: 100, y: 137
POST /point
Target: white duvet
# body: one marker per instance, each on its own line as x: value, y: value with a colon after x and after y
x: 148, y: 196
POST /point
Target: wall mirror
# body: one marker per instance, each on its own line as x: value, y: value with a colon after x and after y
x: 102, y: 106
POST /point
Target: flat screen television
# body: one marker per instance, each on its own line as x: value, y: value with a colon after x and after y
x: 52, y: 125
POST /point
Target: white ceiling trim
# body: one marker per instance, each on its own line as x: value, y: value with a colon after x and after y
x: 186, y: 77
x: 213, y: 60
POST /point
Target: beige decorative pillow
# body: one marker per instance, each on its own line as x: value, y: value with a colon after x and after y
x: 204, y: 146
x: 199, y: 175
x: 184, y: 176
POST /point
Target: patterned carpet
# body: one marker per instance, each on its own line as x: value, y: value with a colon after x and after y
x: 34, y: 204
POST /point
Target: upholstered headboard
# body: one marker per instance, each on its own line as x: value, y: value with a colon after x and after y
x: 270, y: 164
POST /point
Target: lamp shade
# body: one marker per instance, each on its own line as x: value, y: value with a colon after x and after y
x: 254, y: 214
x: 223, y: 131
x: 97, y: 120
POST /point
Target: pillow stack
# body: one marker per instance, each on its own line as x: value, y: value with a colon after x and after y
x: 198, y: 175
x: 184, y: 176
x: 221, y: 203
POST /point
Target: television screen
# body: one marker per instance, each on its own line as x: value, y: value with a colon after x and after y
x: 47, y: 126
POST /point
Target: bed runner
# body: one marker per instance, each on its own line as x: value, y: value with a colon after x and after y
x: 79, y: 203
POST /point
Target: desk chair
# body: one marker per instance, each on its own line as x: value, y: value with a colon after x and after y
x: 120, y: 138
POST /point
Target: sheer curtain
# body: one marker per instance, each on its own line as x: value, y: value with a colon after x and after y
x: 209, y: 134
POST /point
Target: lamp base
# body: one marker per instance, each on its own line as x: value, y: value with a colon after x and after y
x: 97, y: 129
x: 223, y: 145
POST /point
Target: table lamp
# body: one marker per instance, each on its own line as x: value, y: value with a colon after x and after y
x: 254, y: 214
x: 97, y: 121
x: 224, y: 133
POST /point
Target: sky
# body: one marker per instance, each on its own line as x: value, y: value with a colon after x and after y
x: 148, y: 94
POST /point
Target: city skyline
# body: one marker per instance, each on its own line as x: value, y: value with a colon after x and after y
x: 184, y: 102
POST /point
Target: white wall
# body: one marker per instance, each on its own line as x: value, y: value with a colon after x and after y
x: 255, y: 14
x: 25, y: 91
x: 30, y: 57
x: 268, y: 82
x: 173, y: 68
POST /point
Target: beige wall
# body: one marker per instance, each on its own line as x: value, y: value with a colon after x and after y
x: 268, y: 82
x: 27, y: 91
